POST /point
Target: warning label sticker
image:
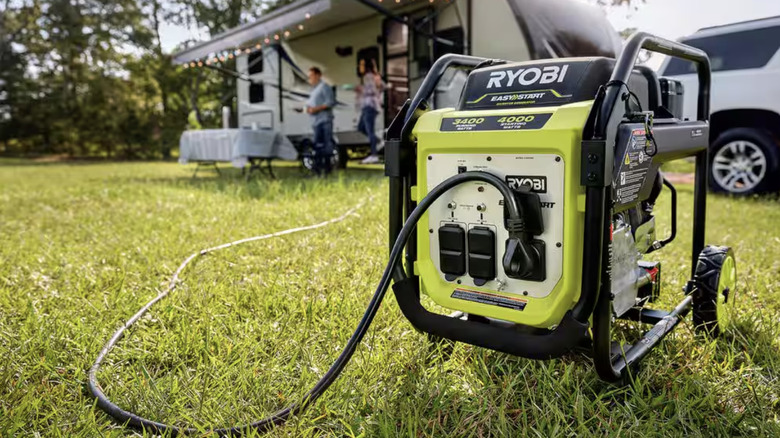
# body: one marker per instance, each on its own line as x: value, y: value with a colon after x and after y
x: 633, y: 168
x: 488, y: 298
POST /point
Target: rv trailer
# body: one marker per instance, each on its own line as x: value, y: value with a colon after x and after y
x: 403, y: 38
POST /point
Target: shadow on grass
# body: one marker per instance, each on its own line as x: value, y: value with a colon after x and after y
x: 288, y: 181
x: 85, y: 161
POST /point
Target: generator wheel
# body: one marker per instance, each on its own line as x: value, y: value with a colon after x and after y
x: 716, y: 281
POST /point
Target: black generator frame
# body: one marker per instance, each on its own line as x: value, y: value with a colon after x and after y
x: 594, y: 305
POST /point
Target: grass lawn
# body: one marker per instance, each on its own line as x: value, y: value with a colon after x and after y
x: 83, y: 246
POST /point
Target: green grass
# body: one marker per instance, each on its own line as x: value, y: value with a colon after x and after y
x: 82, y: 247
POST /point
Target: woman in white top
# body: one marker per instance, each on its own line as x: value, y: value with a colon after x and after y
x: 369, y: 93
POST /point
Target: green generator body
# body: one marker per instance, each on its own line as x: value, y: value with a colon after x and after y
x: 533, y: 205
x: 535, y: 146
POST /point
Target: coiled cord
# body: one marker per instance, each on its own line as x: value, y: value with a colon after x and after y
x: 281, y: 416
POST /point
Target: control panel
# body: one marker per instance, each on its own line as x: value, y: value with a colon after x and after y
x: 468, y: 235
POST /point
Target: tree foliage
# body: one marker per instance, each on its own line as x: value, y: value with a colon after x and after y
x: 91, y: 78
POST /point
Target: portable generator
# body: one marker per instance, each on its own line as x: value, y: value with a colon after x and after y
x: 538, y: 192
x: 528, y: 211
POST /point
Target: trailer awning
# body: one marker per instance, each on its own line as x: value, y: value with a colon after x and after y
x: 314, y: 15
x: 553, y: 28
x: 565, y: 28
x: 284, y: 18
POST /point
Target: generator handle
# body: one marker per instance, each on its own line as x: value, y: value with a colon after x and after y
x: 627, y: 61
x: 434, y: 75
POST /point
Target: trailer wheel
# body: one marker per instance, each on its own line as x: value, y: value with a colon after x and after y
x: 306, y: 153
x: 715, y: 294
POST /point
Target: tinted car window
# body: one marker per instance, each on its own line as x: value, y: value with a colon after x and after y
x: 734, y: 51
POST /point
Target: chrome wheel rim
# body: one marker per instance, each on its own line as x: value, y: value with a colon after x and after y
x: 739, y: 166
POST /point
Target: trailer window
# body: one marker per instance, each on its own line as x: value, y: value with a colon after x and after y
x: 255, y: 62
x: 256, y: 93
x: 453, y: 34
x: 734, y: 51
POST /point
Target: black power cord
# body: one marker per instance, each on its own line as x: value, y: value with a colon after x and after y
x: 280, y: 417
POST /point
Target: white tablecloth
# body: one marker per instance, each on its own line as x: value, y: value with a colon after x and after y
x: 235, y: 146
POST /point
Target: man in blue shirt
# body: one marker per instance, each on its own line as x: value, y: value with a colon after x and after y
x: 320, y: 107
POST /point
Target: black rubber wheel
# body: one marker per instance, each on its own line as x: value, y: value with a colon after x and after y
x: 744, y: 161
x: 306, y: 154
x: 715, y: 293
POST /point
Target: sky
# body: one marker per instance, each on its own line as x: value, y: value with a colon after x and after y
x: 666, y: 18
x: 673, y: 19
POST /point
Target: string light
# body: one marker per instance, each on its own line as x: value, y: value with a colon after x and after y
x: 221, y: 57
x: 230, y: 54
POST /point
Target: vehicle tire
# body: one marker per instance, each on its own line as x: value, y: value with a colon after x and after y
x: 715, y: 290
x: 744, y: 161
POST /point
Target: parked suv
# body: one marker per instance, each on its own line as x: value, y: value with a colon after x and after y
x: 745, y: 108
